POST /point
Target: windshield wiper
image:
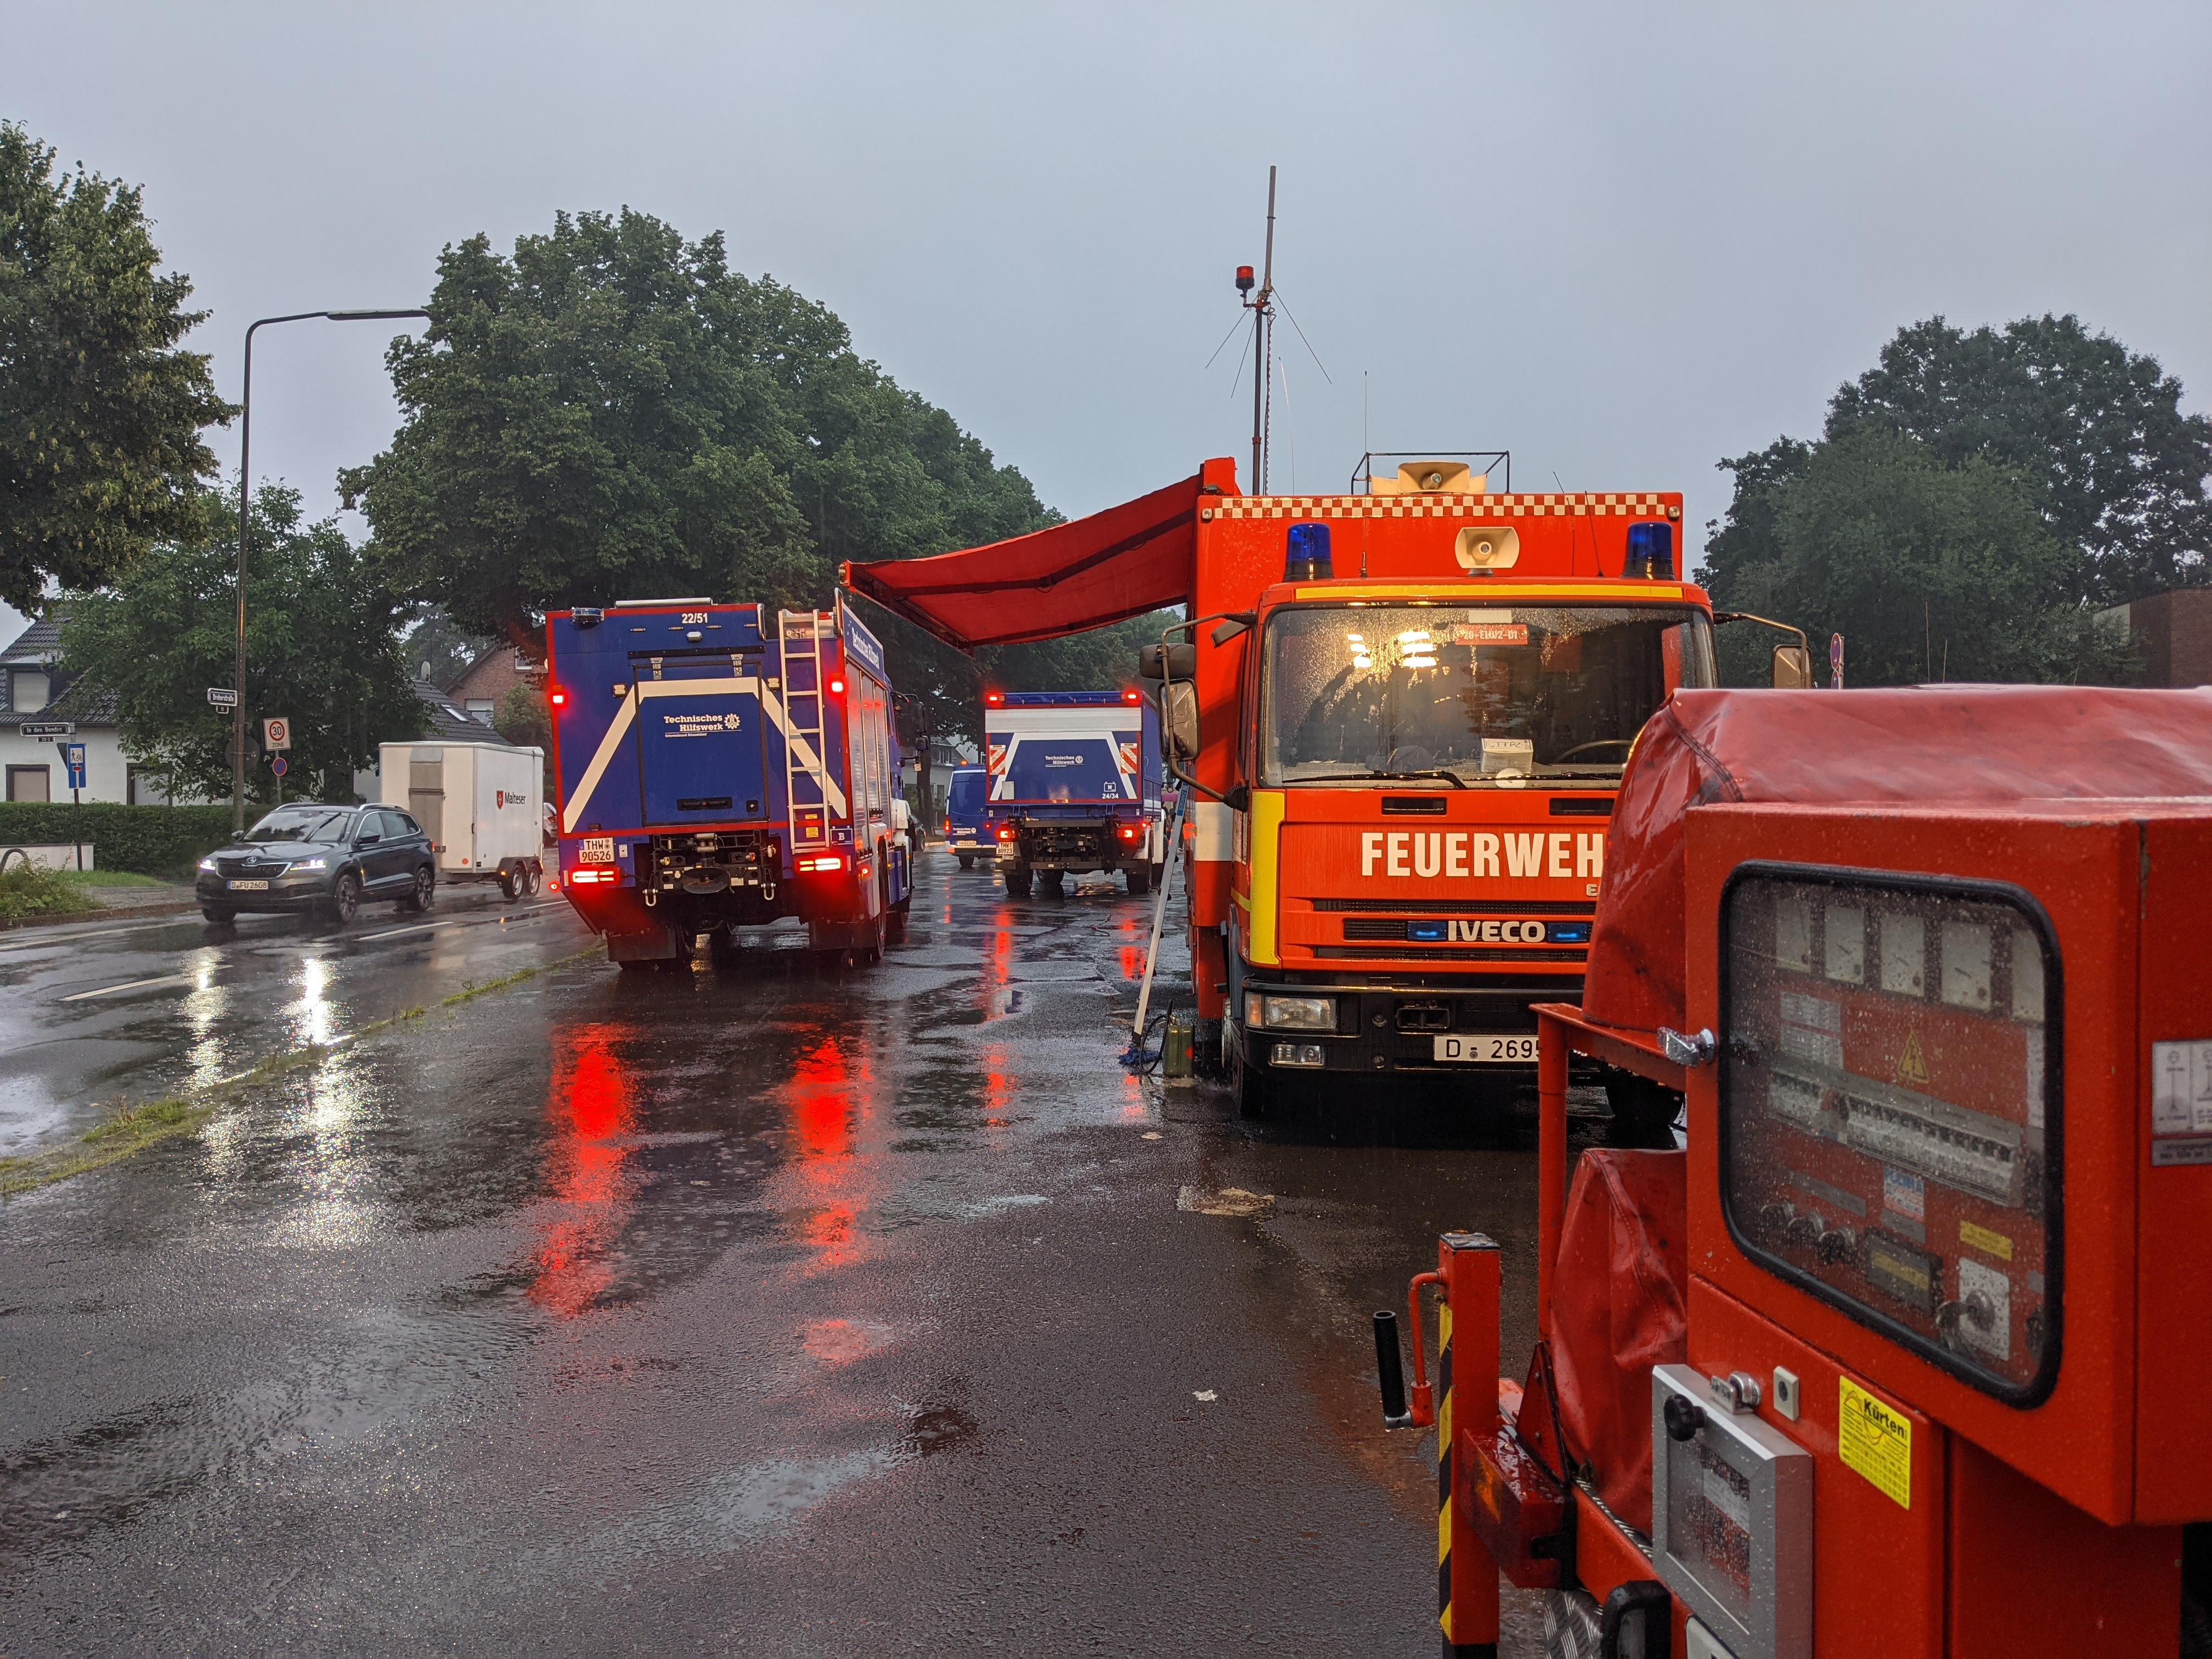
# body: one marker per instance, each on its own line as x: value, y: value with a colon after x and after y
x: 1390, y: 777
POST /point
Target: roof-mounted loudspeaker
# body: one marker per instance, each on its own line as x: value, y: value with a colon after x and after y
x: 1430, y: 478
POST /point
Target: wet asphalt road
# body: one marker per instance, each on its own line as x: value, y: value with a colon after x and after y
x: 771, y: 1310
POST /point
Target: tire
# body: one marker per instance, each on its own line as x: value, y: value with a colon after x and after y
x: 1140, y: 877
x: 967, y: 860
x: 1643, y: 1111
x: 1159, y: 877
x: 344, y: 901
x: 1250, y: 1086
x: 424, y: 893
x: 218, y: 915
x: 1054, y: 883
x: 510, y: 884
x: 638, y: 966
x: 1017, y: 881
x: 530, y: 881
x: 722, y: 948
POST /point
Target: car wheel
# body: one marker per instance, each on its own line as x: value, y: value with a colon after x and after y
x: 426, y: 887
x: 345, y: 897
x: 217, y: 914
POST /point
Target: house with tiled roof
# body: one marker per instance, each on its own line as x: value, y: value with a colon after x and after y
x: 32, y: 678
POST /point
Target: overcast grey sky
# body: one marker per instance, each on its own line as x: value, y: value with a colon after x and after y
x: 1622, y: 240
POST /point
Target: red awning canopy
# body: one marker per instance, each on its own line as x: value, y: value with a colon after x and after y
x: 1122, y: 562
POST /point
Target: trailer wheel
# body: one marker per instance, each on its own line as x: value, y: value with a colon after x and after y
x: 510, y: 883
x: 529, y: 879
x: 1017, y: 880
x: 1139, y: 877
x: 1054, y: 883
x: 967, y: 860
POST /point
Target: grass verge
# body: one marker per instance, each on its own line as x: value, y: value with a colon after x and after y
x: 112, y: 878
x: 130, y: 1129
x: 25, y: 891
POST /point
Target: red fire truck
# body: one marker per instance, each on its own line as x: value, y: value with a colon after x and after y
x: 1401, y: 713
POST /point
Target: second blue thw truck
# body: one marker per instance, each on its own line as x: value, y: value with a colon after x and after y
x: 722, y: 765
x: 1075, y: 786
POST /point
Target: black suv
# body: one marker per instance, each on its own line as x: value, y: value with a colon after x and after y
x: 331, y: 859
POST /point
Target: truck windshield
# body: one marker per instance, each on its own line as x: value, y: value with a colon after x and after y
x: 967, y: 793
x: 1491, y: 697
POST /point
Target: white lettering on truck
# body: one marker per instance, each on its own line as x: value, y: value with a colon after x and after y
x: 1459, y: 853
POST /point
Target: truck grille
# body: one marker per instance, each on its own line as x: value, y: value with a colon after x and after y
x: 1462, y: 953
x: 1463, y: 907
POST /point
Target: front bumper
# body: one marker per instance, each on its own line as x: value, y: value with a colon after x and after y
x: 1392, y: 1027
x: 285, y: 895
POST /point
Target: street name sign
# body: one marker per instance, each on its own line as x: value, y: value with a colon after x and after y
x: 222, y: 696
x: 47, y: 731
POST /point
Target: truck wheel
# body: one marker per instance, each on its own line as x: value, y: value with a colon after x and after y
x: 1250, y: 1086
x: 722, y: 948
x: 638, y: 966
x: 967, y: 860
x: 1055, y: 882
x: 1139, y: 877
x: 1159, y: 877
x: 1017, y: 881
x: 1643, y: 1111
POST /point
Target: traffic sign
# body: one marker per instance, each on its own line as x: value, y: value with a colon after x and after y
x: 47, y: 731
x: 279, y: 765
x: 222, y: 696
x: 73, y: 758
x: 276, y: 733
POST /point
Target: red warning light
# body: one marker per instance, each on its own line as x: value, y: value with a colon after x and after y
x: 1129, y: 697
x: 557, y: 698
x: 836, y: 688
x: 1244, y: 279
x: 994, y: 697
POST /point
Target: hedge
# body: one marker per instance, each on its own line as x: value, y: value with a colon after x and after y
x: 153, y: 841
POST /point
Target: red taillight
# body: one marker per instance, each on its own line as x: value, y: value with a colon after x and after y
x: 1131, y: 696
x: 821, y: 863
x: 836, y: 688
x: 587, y: 878
x: 948, y: 826
x: 552, y: 884
x: 1128, y: 834
x: 994, y: 697
x: 1005, y: 832
x: 556, y: 698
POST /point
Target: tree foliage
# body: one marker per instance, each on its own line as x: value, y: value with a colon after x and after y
x: 1909, y: 523
x: 100, y: 413
x: 2118, y: 470
x: 322, y: 648
x: 612, y: 413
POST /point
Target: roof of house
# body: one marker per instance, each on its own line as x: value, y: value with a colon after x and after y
x: 36, y: 646
x: 39, y: 646
x: 448, y: 718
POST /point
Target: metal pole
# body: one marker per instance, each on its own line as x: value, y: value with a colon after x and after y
x: 77, y: 823
x: 1260, y: 346
x: 245, y: 493
x: 1159, y: 914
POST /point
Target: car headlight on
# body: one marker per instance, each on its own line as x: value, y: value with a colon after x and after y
x: 1290, y: 1013
x: 311, y: 863
x: 207, y: 864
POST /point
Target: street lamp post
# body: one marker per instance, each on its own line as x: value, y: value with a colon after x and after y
x: 245, y: 490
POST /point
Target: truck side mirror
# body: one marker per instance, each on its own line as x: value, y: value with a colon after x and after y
x: 1174, y: 662
x: 1231, y: 626
x: 1179, y: 720
x: 1793, y: 668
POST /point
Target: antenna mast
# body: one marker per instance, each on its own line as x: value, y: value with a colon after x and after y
x: 1263, y: 307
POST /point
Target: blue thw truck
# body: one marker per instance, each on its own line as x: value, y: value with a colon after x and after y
x: 1075, y: 786
x: 719, y: 767
x: 964, y: 801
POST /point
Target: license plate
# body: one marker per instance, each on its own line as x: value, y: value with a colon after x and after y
x: 1487, y: 1048
x: 598, y: 849
x: 249, y: 886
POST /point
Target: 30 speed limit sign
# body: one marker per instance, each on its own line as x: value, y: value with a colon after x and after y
x: 277, y: 733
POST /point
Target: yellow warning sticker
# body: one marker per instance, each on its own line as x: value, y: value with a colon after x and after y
x: 1911, y: 1068
x: 1876, y: 1442
x: 1982, y: 1239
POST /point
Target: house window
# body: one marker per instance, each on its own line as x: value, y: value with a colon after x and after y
x: 142, y: 787
x: 28, y: 782
x: 30, y: 691
x: 480, y: 708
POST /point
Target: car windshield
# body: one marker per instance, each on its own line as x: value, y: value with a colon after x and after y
x: 301, y: 823
x: 1486, y: 696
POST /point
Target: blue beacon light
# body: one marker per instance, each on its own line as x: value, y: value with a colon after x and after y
x: 1651, y: 551
x: 1308, y: 559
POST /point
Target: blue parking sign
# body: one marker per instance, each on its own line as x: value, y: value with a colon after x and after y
x: 73, y: 758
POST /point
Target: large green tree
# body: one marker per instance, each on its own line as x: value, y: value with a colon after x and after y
x: 322, y: 648
x: 2095, y: 429
x: 100, y: 413
x: 612, y: 413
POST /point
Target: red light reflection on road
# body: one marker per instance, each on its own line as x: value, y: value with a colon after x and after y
x: 1133, y: 961
x: 822, y: 1093
x: 592, y: 1106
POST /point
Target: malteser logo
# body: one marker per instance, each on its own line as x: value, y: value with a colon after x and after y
x: 1459, y: 854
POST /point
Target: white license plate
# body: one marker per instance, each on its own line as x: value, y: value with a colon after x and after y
x: 1487, y: 1048
x: 249, y: 887
x: 598, y: 849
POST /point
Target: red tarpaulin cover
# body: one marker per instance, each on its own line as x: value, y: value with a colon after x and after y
x: 1954, y: 744
x: 1618, y: 1311
x: 1122, y: 562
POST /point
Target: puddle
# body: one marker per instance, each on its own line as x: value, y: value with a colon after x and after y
x: 931, y: 1429
x: 1229, y: 1200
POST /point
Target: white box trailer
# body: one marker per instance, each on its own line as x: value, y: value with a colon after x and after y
x: 483, y: 804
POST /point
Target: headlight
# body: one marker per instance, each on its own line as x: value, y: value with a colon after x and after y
x: 1291, y: 1013
x: 207, y: 864
x: 310, y: 864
